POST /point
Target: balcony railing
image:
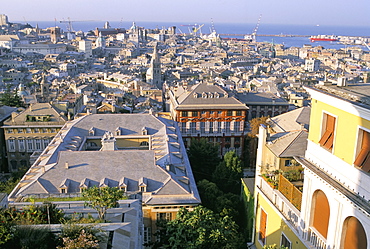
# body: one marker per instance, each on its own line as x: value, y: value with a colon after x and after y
x: 290, y: 192
x: 316, y: 239
x: 287, y: 209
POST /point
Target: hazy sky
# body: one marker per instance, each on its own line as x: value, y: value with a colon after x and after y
x: 311, y: 12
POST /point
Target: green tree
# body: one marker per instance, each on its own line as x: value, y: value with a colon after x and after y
x: 31, y: 237
x: 10, y: 98
x: 101, y: 199
x: 198, y: 229
x: 6, y: 228
x: 203, y: 158
x: 228, y: 173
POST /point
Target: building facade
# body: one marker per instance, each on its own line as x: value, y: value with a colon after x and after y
x: 206, y: 110
x: 331, y: 208
x: 30, y: 131
x: 141, y: 154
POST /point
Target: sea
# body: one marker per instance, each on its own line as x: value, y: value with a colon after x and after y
x: 235, y: 30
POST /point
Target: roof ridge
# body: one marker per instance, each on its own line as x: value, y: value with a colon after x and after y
x: 291, y: 143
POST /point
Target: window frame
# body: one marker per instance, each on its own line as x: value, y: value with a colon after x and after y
x: 287, y: 239
x: 362, y: 153
x: 328, y: 131
x: 262, y: 241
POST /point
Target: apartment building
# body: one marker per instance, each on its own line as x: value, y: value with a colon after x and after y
x: 29, y: 131
x: 140, y: 153
x: 331, y: 207
x: 206, y: 110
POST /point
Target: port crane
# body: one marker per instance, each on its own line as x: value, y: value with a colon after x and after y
x: 368, y: 47
x: 252, y: 37
x: 69, y: 24
x: 193, y: 29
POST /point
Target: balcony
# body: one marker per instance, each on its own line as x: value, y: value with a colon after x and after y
x: 283, y: 200
x: 316, y: 239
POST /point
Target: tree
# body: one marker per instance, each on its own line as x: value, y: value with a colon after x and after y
x: 76, y: 236
x: 198, y: 229
x: 101, y: 199
x: 219, y: 202
x: 10, y: 98
x: 228, y: 173
x: 203, y: 158
x: 255, y: 124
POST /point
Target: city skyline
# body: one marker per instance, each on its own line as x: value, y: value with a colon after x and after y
x: 343, y: 13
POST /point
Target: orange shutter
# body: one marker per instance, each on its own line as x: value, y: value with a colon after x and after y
x: 363, y: 158
x: 328, y: 138
x: 263, y: 223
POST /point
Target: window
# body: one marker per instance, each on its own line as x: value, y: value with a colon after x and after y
x: 11, y: 144
x: 20, y: 130
x: 147, y: 234
x: 219, y: 130
x: 238, y: 113
x: 46, y: 143
x: 44, y: 130
x: 285, y: 242
x: 262, y: 230
x: 203, y: 112
x: 229, y: 113
x: 236, y: 126
x: 210, y: 127
x: 288, y: 163
x: 193, y: 127
x: 321, y: 213
x: 184, y: 114
x: 10, y: 131
x: 211, y: 112
x: 219, y: 112
x: 37, y: 130
x: 227, y: 128
x: 29, y: 145
x: 327, y: 138
x: 202, y: 127
x: 38, y: 144
x: 144, y: 144
x: 194, y: 114
x: 183, y: 127
x: 21, y: 145
x: 164, y: 216
x: 363, y: 158
x: 53, y: 130
x: 28, y: 130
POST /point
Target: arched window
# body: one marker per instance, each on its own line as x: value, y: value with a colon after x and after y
x: 354, y: 235
x: 144, y: 144
x: 321, y: 213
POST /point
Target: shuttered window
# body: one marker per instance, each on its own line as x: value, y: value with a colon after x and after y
x: 327, y: 138
x: 363, y: 158
x: 263, y: 224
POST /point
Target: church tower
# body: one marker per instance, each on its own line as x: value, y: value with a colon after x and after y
x: 153, y: 75
x: 44, y: 88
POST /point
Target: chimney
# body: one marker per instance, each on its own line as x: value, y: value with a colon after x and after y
x: 66, y: 165
x: 108, y: 142
x: 14, y: 114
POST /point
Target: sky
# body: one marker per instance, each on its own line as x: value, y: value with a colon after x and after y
x: 305, y: 12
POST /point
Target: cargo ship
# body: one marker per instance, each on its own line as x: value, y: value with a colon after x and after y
x: 323, y: 38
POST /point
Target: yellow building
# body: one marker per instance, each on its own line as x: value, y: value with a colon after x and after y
x: 333, y: 209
